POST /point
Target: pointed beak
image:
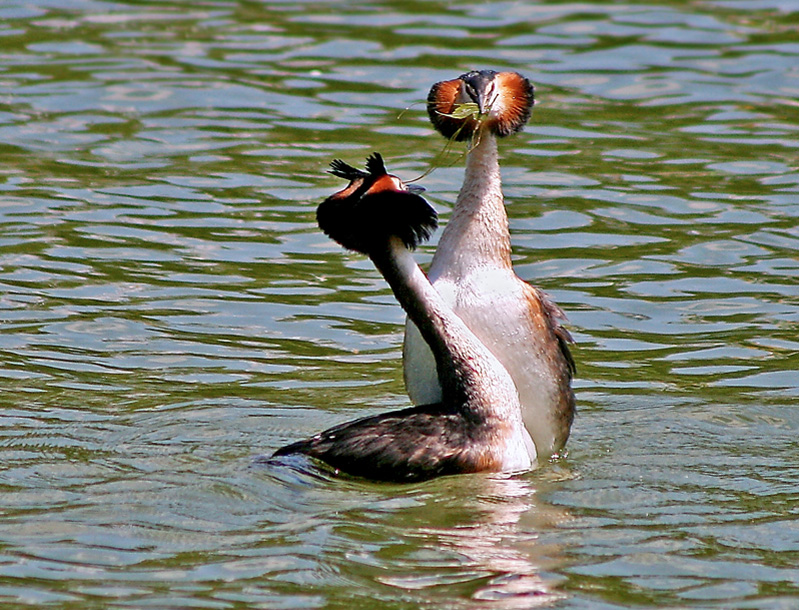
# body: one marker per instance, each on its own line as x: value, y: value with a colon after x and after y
x: 479, y: 87
x: 415, y: 188
x: 478, y: 93
x: 481, y: 99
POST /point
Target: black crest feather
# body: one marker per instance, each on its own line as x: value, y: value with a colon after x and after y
x: 375, y: 165
x: 345, y: 170
x: 373, y: 207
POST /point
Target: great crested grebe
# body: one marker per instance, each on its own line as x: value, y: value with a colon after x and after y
x: 472, y: 271
x: 476, y: 425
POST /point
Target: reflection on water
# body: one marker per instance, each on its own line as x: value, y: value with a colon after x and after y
x: 168, y: 308
x: 484, y: 543
x: 453, y: 542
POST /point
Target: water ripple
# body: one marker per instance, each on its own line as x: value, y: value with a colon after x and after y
x: 169, y: 309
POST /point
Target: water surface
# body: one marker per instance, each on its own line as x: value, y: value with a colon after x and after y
x: 168, y: 308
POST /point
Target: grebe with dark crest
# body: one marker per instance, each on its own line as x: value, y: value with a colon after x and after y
x: 476, y: 425
x: 472, y: 270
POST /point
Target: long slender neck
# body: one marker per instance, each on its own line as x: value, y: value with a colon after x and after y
x: 471, y: 377
x: 477, y: 233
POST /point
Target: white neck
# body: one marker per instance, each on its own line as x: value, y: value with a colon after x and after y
x: 470, y: 375
x: 478, y: 230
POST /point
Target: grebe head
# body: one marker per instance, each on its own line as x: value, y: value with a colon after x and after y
x: 374, y: 206
x: 476, y: 425
x: 502, y: 101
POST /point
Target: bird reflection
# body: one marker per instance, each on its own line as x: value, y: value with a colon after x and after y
x: 483, y: 542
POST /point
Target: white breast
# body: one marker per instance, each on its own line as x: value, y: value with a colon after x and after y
x: 494, y: 304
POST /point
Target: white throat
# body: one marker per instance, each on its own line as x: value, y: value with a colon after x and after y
x: 477, y: 233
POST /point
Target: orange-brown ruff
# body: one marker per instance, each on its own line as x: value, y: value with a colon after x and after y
x: 472, y: 267
x: 476, y: 425
x: 504, y: 98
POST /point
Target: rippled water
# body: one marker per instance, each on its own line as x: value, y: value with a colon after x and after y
x: 168, y: 308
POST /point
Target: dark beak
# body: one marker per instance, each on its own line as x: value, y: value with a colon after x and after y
x: 415, y: 188
x: 480, y: 100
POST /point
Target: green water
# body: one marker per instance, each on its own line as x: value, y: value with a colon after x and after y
x: 168, y: 308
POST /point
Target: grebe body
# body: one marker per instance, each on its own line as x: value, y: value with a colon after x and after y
x: 472, y: 269
x: 476, y: 424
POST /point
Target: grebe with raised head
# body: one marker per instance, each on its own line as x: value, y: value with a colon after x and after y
x: 472, y: 269
x: 476, y: 425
